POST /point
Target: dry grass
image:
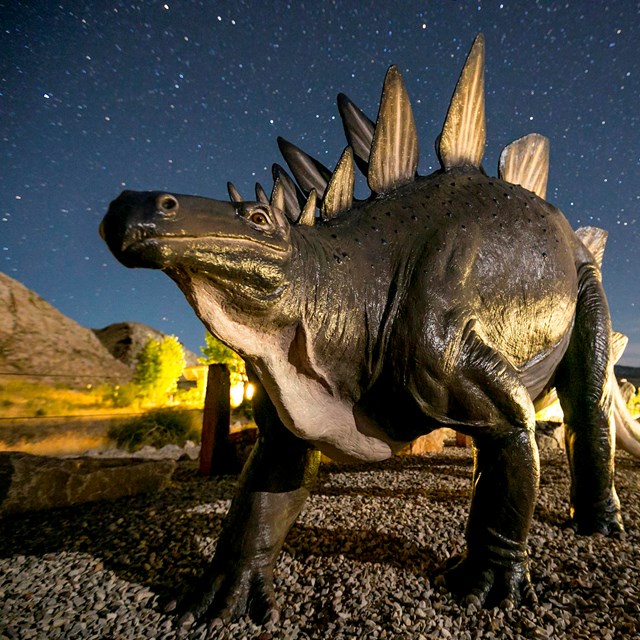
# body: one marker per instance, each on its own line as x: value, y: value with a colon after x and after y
x: 24, y: 398
x: 52, y: 420
x: 64, y: 444
x: 55, y: 436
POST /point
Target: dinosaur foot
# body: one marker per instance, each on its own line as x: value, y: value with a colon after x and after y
x: 488, y: 584
x: 603, y: 518
x: 590, y: 526
x: 222, y: 597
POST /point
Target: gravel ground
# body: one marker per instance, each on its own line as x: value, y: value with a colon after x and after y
x: 360, y: 562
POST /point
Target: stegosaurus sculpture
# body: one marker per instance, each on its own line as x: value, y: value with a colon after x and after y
x: 457, y: 299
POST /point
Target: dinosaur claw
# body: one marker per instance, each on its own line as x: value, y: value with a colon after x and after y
x: 601, y: 519
x: 223, y: 597
x: 529, y: 596
x: 483, y: 584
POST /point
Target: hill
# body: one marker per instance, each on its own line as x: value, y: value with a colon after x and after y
x: 632, y: 374
x: 39, y: 342
x: 125, y: 340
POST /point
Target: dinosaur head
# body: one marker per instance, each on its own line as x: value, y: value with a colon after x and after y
x: 233, y: 244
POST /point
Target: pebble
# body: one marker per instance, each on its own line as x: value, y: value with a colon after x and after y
x: 361, y: 561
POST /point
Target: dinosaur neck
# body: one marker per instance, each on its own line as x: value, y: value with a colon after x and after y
x: 247, y: 324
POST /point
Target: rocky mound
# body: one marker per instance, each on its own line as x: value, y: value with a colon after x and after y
x: 125, y: 340
x: 38, y: 341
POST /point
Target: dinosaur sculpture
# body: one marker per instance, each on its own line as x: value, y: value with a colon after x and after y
x: 461, y: 298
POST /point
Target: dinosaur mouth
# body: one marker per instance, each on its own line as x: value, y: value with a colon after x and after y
x: 136, y: 243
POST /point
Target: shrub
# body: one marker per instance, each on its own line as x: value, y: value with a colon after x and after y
x: 156, y: 428
x: 120, y: 396
x: 634, y: 404
x: 158, y: 367
x: 214, y: 352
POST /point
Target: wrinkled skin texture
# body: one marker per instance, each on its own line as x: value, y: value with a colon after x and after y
x: 459, y: 297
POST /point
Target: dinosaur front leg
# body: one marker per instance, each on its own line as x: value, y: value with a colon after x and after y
x: 272, y: 490
x: 495, y: 566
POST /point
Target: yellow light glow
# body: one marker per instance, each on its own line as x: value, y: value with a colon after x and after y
x: 237, y: 394
x: 552, y: 413
x: 249, y: 390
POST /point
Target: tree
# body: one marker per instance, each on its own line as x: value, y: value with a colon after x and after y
x: 634, y: 404
x: 215, y: 352
x: 159, y: 365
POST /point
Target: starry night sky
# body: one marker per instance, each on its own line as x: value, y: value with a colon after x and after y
x: 183, y: 96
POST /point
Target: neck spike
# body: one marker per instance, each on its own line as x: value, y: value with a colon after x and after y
x: 308, y: 216
x: 234, y: 194
x: 339, y: 194
x: 277, y: 195
x: 261, y: 194
x: 358, y: 129
x: 292, y: 195
x: 309, y: 173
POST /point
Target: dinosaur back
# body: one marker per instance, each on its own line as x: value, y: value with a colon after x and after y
x: 493, y: 252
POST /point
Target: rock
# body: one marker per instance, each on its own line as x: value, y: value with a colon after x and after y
x: 462, y: 440
x: 430, y: 443
x: 550, y: 435
x: 547, y: 443
x: 125, y: 340
x: 190, y: 451
x: 31, y: 483
x: 36, y: 339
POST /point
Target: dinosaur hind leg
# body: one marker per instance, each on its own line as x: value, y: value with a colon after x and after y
x: 583, y: 382
x: 495, y: 566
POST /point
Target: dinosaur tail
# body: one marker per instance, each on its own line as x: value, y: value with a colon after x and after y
x: 627, y: 429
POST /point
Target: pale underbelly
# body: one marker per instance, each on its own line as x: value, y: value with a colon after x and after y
x: 330, y: 423
x: 306, y: 408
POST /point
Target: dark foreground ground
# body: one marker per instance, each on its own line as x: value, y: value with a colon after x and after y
x: 360, y: 563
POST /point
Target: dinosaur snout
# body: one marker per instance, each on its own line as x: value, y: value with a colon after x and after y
x: 127, y: 224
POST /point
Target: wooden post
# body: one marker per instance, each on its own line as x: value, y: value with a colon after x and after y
x: 462, y: 440
x: 215, y: 458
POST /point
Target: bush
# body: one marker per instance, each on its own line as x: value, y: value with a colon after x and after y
x: 634, y: 404
x: 214, y: 352
x: 121, y: 396
x: 156, y: 428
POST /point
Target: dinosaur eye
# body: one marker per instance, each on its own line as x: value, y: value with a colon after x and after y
x: 167, y: 204
x: 259, y: 218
